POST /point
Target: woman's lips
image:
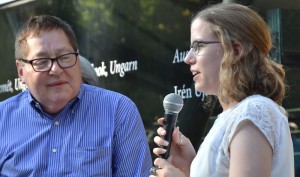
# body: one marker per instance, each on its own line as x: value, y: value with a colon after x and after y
x: 195, y: 74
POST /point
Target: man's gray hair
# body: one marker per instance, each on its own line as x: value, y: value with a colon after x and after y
x: 89, y: 75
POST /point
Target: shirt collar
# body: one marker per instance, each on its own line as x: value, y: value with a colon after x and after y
x: 71, y: 104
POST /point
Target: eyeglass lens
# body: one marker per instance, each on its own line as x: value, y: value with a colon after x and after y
x: 45, y: 64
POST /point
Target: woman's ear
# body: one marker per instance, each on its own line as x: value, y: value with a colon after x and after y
x: 237, y: 47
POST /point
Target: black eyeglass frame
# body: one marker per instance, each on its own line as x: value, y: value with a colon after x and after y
x: 52, y: 60
x: 201, y: 42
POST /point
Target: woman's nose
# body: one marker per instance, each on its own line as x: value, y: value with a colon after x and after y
x: 189, y: 58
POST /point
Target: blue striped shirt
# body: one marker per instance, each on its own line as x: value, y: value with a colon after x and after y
x: 99, y: 133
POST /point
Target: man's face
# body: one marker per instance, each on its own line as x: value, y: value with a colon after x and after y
x: 55, y: 88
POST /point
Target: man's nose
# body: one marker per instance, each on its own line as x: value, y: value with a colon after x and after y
x: 55, y: 68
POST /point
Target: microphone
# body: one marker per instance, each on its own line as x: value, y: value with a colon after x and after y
x: 173, y: 104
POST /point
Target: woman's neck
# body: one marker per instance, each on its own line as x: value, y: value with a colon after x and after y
x: 228, y: 105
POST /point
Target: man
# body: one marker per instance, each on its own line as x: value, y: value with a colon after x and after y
x: 59, y: 126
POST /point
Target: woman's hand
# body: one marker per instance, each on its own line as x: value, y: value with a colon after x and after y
x: 166, y: 169
x: 182, y: 151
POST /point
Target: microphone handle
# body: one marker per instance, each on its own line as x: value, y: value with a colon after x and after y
x: 169, y: 125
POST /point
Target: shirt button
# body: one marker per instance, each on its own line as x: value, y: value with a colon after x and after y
x: 54, y: 150
x: 56, y: 123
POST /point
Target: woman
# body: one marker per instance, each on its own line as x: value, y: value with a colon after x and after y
x: 251, y: 137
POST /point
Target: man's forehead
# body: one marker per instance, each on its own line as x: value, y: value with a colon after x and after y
x: 46, y: 47
x: 38, y: 33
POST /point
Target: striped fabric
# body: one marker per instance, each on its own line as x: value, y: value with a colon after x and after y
x: 99, y: 133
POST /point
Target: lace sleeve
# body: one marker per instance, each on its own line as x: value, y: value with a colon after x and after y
x: 264, y: 115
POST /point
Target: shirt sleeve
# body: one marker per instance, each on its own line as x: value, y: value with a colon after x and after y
x: 131, y: 154
x: 264, y: 115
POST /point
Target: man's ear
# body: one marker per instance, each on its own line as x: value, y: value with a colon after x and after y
x: 20, y: 70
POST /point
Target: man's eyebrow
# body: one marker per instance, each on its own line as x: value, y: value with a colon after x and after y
x: 65, y: 49
x: 43, y: 54
x: 40, y: 54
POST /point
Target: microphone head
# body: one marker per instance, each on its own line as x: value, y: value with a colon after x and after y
x: 173, y: 103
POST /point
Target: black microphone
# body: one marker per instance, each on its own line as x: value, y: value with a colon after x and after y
x: 173, y: 104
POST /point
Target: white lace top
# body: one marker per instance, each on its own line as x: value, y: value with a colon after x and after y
x: 213, y: 157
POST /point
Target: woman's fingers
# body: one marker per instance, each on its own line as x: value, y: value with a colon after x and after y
x: 159, y: 151
x: 160, y: 162
x: 166, y: 169
x: 179, y: 138
x: 163, y: 166
x: 161, y: 121
x: 161, y: 131
x: 160, y: 141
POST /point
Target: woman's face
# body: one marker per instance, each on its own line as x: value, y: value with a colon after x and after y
x: 205, y: 62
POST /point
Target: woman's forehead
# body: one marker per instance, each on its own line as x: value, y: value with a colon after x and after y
x: 201, y: 30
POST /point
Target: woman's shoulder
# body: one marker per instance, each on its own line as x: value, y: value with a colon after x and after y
x: 261, y: 111
x: 258, y: 105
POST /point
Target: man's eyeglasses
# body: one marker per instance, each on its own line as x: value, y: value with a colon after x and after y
x: 45, y: 64
x: 197, y: 45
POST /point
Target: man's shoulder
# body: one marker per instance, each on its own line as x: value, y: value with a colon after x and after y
x: 102, y: 93
x: 94, y: 90
x: 16, y: 99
